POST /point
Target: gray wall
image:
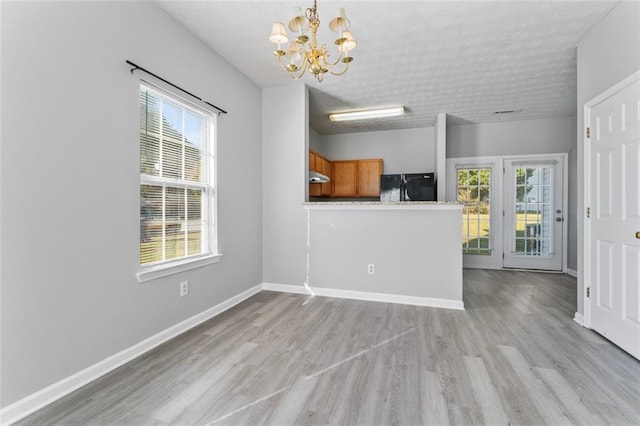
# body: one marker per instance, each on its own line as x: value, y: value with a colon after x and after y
x: 315, y: 141
x: 607, y: 55
x: 544, y: 136
x: 403, y: 151
x: 70, y: 185
x: 284, y: 188
x: 415, y: 252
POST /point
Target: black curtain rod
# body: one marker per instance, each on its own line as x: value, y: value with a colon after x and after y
x: 138, y: 67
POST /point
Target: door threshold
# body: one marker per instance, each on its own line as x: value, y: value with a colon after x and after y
x: 546, y: 271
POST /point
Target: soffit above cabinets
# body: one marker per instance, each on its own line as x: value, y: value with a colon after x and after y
x: 467, y: 59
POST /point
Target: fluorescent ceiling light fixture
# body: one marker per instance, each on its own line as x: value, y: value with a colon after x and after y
x: 361, y: 115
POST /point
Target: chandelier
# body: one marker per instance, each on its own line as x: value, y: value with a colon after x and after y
x: 303, y: 52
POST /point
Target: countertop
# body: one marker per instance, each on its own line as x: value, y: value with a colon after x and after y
x: 383, y: 205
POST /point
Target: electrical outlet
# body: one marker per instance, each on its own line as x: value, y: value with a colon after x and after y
x: 184, y: 288
x: 371, y: 269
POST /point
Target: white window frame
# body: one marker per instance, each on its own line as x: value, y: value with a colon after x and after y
x: 212, y: 255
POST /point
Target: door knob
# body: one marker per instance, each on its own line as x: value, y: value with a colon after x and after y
x: 638, y: 235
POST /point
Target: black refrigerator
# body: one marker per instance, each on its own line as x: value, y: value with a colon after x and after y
x: 408, y: 187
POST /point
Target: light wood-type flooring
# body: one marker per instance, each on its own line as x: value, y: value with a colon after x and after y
x: 514, y: 356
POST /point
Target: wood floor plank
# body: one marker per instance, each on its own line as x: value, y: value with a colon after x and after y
x: 291, y: 404
x: 171, y: 410
x: 485, y: 392
x: 537, y: 391
x: 568, y: 397
x: 433, y: 404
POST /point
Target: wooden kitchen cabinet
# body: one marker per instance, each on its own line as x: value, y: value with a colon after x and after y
x: 348, y: 178
x: 319, y: 159
x: 357, y: 178
x: 312, y: 161
x: 345, y: 175
x: 326, y: 170
x: 319, y: 164
x: 369, y: 172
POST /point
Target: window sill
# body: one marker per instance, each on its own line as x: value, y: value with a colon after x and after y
x: 148, y: 274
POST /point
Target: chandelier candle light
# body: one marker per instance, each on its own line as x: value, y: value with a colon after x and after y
x: 303, y: 52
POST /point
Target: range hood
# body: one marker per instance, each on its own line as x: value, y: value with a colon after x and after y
x: 315, y: 177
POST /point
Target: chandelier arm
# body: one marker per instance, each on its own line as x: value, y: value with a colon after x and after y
x: 297, y: 77
x: 303, y: 68
x: 332, y: 64
x: 343, y: 71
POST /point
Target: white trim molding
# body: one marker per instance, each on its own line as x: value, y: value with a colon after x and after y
x: 43, y: 397
x: 572, y: 272
x: 579, y: 318
x: 170, y: 268
x: 369, y: 296
x: 285, y: 288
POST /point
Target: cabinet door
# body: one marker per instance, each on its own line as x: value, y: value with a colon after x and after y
x: 344, y: 178
x: 369, y: 172
x: 319, y: 159
x: 312, y: 161
x: 315, y: 189
x: 326, y: 170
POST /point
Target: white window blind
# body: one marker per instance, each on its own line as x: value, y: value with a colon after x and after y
x: 177, y: 170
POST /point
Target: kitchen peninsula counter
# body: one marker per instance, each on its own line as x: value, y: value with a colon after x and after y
x: 415, y: 249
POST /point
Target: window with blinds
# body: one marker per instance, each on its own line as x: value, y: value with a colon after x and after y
x: 177, y: 198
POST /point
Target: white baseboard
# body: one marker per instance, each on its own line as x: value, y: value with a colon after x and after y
x: 572, y: 272
x: 579, y: 318
x: 35, y: 401
x: 369, y: 296
x: 285, y: 288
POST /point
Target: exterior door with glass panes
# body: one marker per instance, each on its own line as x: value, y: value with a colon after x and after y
x: 533, y: 215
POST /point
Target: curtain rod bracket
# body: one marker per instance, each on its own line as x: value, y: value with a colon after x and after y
x: 138, y: 67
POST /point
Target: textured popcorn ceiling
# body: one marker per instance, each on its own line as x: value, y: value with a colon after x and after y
x: 467, y: 59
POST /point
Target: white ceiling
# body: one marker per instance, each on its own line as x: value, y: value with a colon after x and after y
x: 467, y: 58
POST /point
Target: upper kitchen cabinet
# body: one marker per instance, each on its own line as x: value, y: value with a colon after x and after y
x: 312, y: 161
x: 345, y: 175
x: 319, y: 164
x: 369, y: 172
x: 326, y: 170
x: 357, y: 178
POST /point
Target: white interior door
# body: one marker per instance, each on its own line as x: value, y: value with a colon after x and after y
x: 613, y: 226
x: 533, y: 214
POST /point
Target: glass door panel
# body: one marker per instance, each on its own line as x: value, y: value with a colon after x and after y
x: 473, y: 188
x: 533, y: 215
